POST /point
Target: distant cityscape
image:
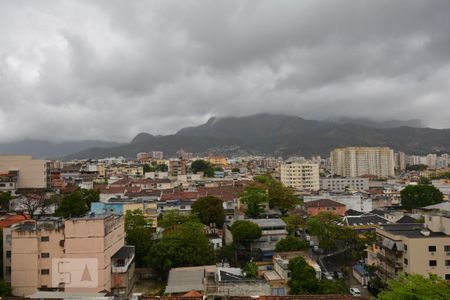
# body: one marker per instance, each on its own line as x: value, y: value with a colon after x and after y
x: 88, y: 209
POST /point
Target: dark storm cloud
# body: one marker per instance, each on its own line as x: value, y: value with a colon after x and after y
x: 111, y: 69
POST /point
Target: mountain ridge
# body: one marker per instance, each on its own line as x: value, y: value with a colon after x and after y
x: 282, y: 135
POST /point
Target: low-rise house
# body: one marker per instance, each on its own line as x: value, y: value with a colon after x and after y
x: 273, y: 230
x: 324, y: 205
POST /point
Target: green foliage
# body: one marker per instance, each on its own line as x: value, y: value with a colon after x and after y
x: 235, y: 170
x: 209, y: 210
x: 5, y: 197
x: 327, y: 229
x: 445, y: 175
x: 294, y: 222
x: 161, y: 168
x: 5, y: 289
x: 90, y: 196
x: 184, y: 246
x: 334, y: 287
x: 149, y: 168
x: 304, y: 281
x: 416, y: 287
x: 254, y: 198
x: 201, y: 165
x: 280, y: 196
x: 218, y: 169
x: 303, y: 277
x: 138, y: 234
x: 173, y: 218
x: 245, y: 232
x: 414, y: 196
x: 424, y: 180
x: 419, y: 167
x: 72, y: 205
x: 251, y: 270
x: 291, y: 243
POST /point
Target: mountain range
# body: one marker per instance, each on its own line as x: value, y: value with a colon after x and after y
x: 283, y: 135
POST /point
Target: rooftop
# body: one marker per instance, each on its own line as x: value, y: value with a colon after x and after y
x: 268, y: 223
x: 410, y: 230
x: 323, y: 203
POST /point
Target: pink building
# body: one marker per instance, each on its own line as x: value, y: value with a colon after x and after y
x: 317, y: 206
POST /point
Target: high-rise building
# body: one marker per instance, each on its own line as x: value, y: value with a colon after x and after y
x: 400, y: 161
x: 302, y: 176
x: 157, y: 155
x: 431, y: 161
x: 359, y: 161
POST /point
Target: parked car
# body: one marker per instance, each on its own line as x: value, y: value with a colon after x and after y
x: 338, y: 275
x: 355, y: 292
x: 327, y: 276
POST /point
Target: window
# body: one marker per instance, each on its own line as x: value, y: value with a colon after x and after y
x: 447, y: 276
x: 8, y: 270
x: 432, y: 263
x: 405, y: 261
x: 406, y: 247
x: 45, y: 255
x: 8, y: 254
x: 45, y: 271
x: 447, y: 263
x: 431, y: 248
x: 45, y: 238
x: 447, y: 248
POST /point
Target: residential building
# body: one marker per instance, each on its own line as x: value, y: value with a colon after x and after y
x: 412, y: 248
x: 353, y: 201
x: 302, y: 176
x: 344, y: 184
x: 31, y: 173
x: 157, y: 155
x: 74, y: 255
x: 184, y: 155
x: 358, y: 161
x: 324, y: 205
x: 218, y: 161
x: 273, y: 230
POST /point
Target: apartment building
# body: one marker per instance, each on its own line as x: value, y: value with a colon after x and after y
x: 358, y: 161
x: 31, y: 173
x: 302, y: 176
x: 412, y: 248
x: 344, y: 184
x: 75, y: 255
x: 273, y: 230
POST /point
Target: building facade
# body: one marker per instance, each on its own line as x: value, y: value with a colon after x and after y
x: 31, y: 173
x: 302, y: 176
x: 358, y: 161
x: 344, y: 184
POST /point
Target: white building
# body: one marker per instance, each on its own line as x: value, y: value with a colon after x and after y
x: 358, y: 161
x: 303, y: 176
x: 351, y: 201
x: 344, y: 184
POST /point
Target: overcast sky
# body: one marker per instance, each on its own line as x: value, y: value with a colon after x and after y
x: 111, y: 69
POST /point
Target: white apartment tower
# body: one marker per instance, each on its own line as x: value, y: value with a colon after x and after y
x: 358, y: 161
x: 302, y: 176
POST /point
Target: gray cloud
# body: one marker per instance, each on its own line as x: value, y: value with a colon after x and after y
x: 110, y: 69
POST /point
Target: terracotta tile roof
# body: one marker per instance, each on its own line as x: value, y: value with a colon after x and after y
x: 9, y: 220
x: 323, y: 203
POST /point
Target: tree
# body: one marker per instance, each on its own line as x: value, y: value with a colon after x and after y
x: 138, y: 233
x: 37, y: 205
x: 415, y: 196
x: 291, y: 243
x: 173, y: 218
x: 72, y: 205
x: 235, y: 170
x: 209, y: 210
x: 303, y: 277
x: 424, y: 180
x: 184, y: 246
x: 416, y: 287
x: 161, y: 168
x: 5, y: 289
x: 245, y: 232
x: 327, y: 229
x: 4, y: 200
x: 281, y: 197
x: 148, y: 168
x: 200, y: 165
x: 419, y: 167
x: 294, y: 222
x: 254, y: 197
x: 90, y: 196
x: 251, y: 270
x: 334, y: 287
